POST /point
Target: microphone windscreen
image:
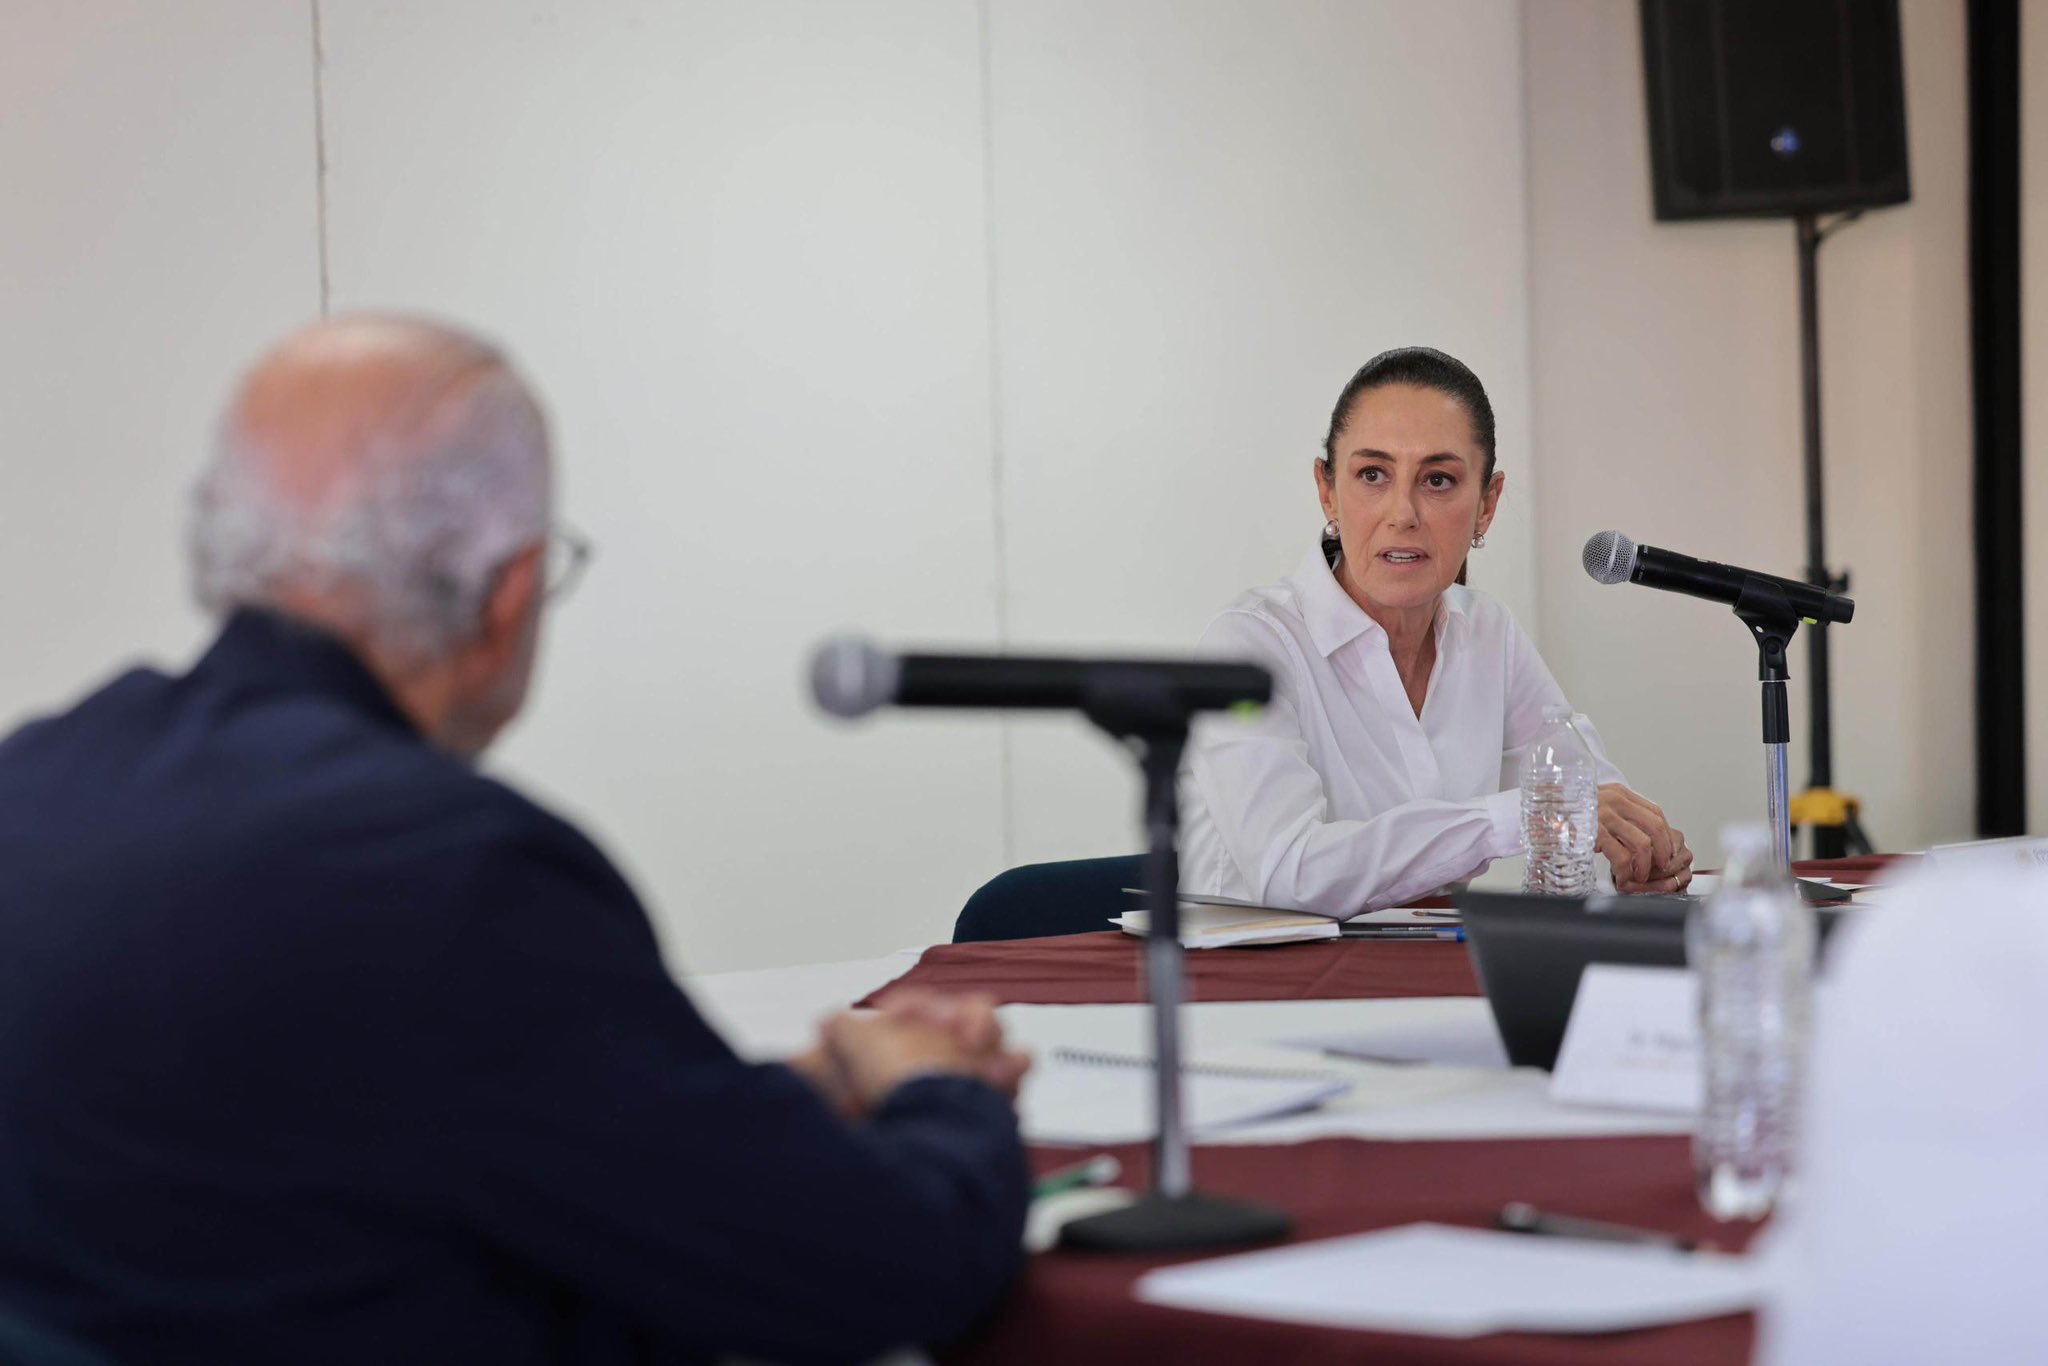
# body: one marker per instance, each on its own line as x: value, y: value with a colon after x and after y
x: 1609, y: 557
x: 850, y: 677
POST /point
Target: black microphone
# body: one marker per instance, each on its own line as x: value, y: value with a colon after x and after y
x: 1611, y: 557
x: 850, y: 677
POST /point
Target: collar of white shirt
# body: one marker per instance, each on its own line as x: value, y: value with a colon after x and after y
x: 1334, y: 620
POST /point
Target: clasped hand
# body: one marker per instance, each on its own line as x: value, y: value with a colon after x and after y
x: 863, y: 1055
x: 1647, y: 855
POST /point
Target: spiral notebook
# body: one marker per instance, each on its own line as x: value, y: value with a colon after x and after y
x: 1079, y: 1096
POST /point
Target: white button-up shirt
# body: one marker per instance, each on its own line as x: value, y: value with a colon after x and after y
x: 1337, y: 798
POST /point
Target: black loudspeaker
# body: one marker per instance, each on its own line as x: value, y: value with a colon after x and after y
x: 1766, y: 107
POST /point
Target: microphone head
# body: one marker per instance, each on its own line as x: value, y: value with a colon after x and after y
x: 1609, y: 557
x: 850, y: 677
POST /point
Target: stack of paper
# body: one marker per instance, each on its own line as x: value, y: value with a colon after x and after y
x: 1215, y: 922
x: 1072, y: 1096
x: 1206, y: 926
x: 1462, y: 1282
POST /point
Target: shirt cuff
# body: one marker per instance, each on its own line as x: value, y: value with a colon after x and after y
x: 1505, y: 810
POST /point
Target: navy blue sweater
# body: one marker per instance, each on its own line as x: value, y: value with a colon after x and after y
x: 318, y: 1046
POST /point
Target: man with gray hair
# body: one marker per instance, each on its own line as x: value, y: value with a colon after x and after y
x: 316, y: 1045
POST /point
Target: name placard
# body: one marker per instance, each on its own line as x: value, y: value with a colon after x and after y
x: 1633, y: 1041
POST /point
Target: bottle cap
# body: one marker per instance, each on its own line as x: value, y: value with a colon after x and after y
x: 1745, y: 837
x: 1557, y: 712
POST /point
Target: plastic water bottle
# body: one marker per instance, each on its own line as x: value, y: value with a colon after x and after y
x: 1750, y: 944
x: 1560, y: 809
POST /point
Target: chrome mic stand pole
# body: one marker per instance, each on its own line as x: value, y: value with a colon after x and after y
x: 1172, y: 1214
x: 1165, y: 966
x: 1777, y: 799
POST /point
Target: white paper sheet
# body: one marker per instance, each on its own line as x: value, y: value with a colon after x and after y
x: 1083, y: 1099
x: 1461, y: 1104
x: 1386, y: 1101
x: 1459, y: 1282
x: 1454, y: 1030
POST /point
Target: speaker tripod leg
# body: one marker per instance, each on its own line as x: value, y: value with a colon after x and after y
x: 1856, y: 840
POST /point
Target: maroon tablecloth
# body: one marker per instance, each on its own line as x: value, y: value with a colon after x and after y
x: 1080, y: 969
x: 1859, y: 869
x: 1077, y: 1308
x: 1086, y: 969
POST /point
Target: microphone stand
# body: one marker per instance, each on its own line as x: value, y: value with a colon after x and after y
x: 1148, y: 719
x: 1772, y: 620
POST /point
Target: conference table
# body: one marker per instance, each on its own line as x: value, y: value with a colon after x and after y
x: 1079, y: 1307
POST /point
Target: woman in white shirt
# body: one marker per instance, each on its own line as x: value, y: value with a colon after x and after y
x: 1384, y: 766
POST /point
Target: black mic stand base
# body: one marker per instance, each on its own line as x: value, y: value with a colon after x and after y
x: 1163, y: 1223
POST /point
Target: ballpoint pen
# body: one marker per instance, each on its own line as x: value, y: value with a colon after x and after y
x: 1519, y: 1217
x: 1450, y: 933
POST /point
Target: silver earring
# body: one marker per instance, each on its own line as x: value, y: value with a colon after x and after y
x: 1479, y: 540
x: 1330, y: 530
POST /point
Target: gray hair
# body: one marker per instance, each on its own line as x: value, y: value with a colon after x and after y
x: 418, y: 535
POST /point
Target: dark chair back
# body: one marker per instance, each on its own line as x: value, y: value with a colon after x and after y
x: 1039, y: 899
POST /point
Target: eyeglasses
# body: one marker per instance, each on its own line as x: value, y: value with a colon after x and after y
x: 562, y: 563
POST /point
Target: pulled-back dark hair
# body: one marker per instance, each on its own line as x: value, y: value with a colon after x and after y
x: 1424, y: 367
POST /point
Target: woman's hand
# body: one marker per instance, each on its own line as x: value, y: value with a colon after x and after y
x: 1648, y: 856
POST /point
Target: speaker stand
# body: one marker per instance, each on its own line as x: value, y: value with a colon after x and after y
x: 1831, y: 815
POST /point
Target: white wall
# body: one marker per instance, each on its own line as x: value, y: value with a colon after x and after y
x: 742, y: 250
x: 873, y: 314
x: 1207, y: 215
x: 1667, y: 405
x: 158, y: 224
x: 961, y: 323
x: 1013, y: 321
